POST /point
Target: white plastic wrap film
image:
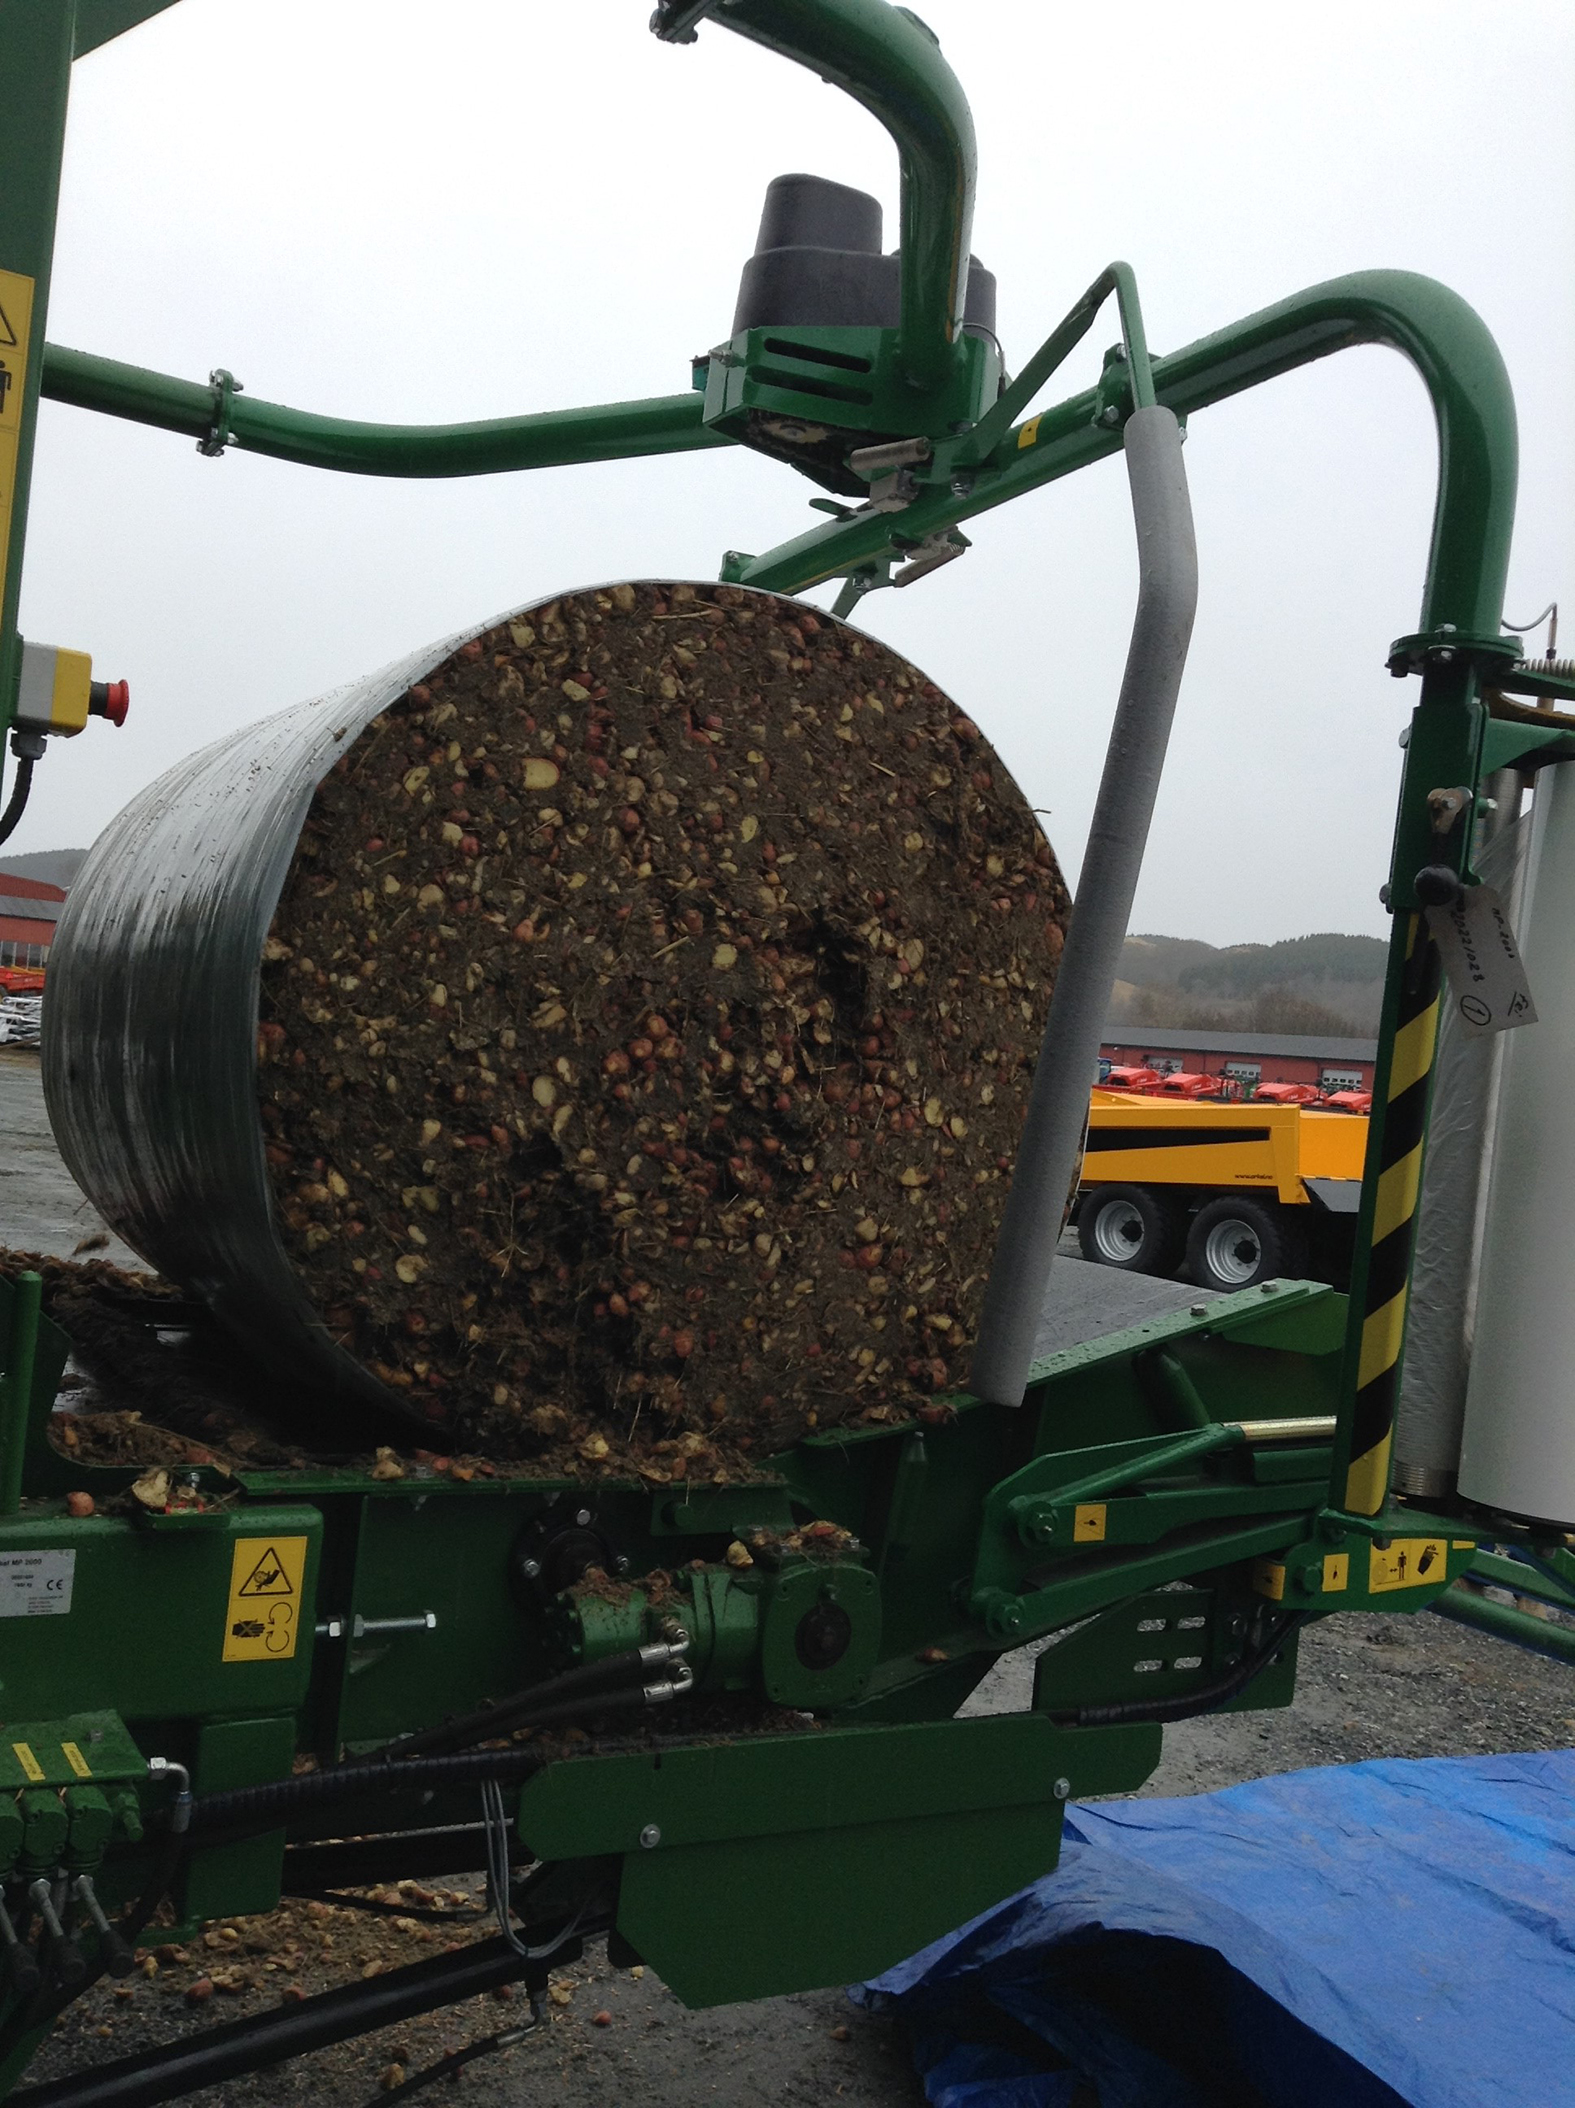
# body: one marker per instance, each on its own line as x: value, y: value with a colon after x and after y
x: 1431, y: 1410
x: 1518, y: 1447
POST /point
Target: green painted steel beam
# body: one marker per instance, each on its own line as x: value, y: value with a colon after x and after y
x: 1500, y: 1622
x: 35, y: 80
x: 664, y: 424
x: 101, y: 21
x: 886, y: 59
x: 1541, y: 1581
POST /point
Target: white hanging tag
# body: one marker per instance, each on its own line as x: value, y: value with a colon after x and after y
x: 1487, y: 979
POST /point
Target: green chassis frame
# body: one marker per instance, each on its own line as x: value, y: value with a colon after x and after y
x: 978, y: 1531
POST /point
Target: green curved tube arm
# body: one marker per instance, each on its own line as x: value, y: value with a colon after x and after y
x: 664, y: 424
x: 1444, y: 338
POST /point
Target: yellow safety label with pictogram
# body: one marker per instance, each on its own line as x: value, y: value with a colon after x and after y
x: 263, y: 1620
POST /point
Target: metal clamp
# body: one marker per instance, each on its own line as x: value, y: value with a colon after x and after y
x: 225, y: 389
x: 893, y: 492
x: 928, y: 555
x: 1495, y: 657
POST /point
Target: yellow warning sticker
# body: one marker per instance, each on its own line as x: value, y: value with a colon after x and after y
x: 74, y: 1757
x: 1336, y: 1572
x: 1406, y: 1562
x: 262, y: 1622
x: 1028, y: 433
x: 1268, y: 1578
x: 16, y: 321
x: 1463, y: 1544
x: 31, y: 1767
x: 1088, y: 1523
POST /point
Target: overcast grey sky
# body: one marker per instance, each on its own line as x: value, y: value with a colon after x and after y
x: 396, y: 209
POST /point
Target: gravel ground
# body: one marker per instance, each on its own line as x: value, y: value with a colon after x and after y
x: 1406, y: 1686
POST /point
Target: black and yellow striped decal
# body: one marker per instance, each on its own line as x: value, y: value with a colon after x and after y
x: 1394, y: 1225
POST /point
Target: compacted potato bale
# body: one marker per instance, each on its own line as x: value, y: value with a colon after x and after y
x: 646, y: 1023
x: 645, y: 1028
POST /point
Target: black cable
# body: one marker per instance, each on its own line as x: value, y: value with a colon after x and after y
x: 10, y: 819
x: 1218, y: 1693
x: 251, y: 1808
x: 313, y: 1788
x: 454, y: 2063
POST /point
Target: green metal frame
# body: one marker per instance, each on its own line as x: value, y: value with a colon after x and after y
x: 1128, y: 1509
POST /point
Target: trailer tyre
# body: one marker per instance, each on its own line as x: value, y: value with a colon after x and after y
x: 1236, y: 1242
x: 1131, y: 1227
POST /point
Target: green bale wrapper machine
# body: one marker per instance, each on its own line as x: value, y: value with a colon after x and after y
x: 307, y: 1680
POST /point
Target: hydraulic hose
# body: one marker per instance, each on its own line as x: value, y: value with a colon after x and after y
x: 16, y: 804
x: 617, y: 1680
x: 312, y: 1789
x: 1218, y: 1693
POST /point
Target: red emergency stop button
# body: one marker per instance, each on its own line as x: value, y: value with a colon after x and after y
x: 111, y: 699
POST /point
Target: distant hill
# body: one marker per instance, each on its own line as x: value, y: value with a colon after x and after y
x: 1321, y: 983
x: 51, y: 867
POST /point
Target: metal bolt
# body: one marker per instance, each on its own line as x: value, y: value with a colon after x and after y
x: 962, y: 486
x: 1268, y: 1288
x: 531, y: 1569
x: 1061, y: 1788
x: 1110, y: 415
x: 1198, y: 1310
x: 582, y: 1517
x: 651, y: 1836
x: 621, y: 1563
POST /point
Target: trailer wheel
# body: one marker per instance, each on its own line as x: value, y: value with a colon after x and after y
x: 1236, y: 1242
x: 1130, y: 1227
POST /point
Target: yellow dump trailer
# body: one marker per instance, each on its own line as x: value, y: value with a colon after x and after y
x: 1242, y: 1192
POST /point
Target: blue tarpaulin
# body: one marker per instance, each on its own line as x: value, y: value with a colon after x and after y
x: 1356, y: 1937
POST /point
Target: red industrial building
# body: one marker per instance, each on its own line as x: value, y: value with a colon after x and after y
x: 29, y: 911
x: 1251, y: 1057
